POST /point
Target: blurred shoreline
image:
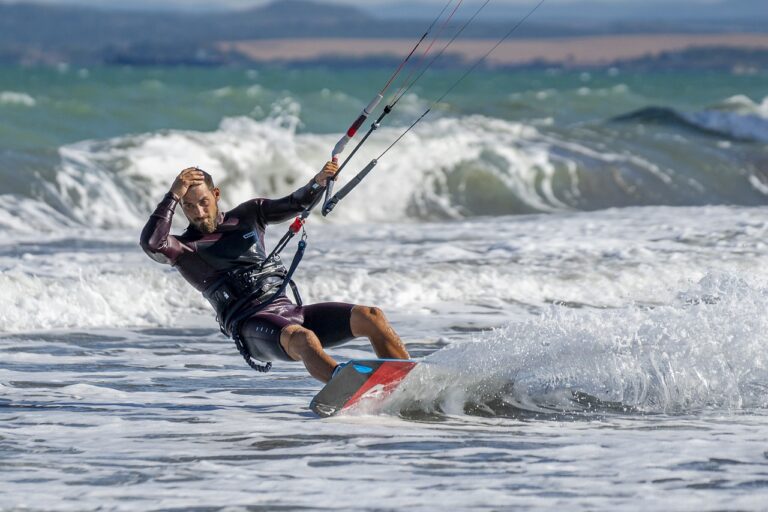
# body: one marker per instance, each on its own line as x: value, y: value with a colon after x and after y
x: 572, y: 51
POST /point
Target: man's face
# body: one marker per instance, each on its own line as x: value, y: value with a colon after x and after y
x: 200, y: 205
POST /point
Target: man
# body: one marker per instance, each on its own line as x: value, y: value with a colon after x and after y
x: 223, y: 255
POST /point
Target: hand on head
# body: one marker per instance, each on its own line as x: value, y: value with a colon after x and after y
x: 189, y: 177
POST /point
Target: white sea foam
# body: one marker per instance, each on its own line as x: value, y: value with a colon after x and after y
x: 84, y: 291
x: 477, y: 272
x: 738, y: 116
x: 657, y: 310
x: 705, y: 351
x: 741, y: 126
x: 17, y: 98
x: 26, y: 215
x: 745, y: 105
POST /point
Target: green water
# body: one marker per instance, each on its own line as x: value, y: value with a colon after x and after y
x: 100, y: 103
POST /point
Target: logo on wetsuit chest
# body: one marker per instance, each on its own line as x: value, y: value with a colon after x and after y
x: 251, y: 234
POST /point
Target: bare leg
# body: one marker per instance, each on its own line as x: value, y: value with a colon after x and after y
x: 301, y: 344
x: 371, y: 322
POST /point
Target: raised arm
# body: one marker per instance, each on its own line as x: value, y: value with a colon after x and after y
x: 156, y: 239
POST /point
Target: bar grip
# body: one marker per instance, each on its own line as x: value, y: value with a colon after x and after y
x: 346, y: 189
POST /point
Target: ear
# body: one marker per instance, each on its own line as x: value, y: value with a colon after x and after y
x: 216, y: 193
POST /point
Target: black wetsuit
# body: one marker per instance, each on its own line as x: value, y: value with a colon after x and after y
x: 238, y: 243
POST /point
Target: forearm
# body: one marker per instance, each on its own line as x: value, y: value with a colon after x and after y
x: 155, y: 237
x: 278, y: 210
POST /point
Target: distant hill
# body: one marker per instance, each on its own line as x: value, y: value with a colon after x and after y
x: 37, y: 33
x: 308, y: 12
x: 743, y: 14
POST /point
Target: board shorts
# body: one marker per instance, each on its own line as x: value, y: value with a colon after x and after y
x: 260, y: 332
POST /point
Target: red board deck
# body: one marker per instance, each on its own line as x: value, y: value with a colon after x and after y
x: 358, y: 381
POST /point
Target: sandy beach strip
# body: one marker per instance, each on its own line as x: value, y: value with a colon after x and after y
x: 577, y: 51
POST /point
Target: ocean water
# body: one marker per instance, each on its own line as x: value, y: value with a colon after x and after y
x: 577, y: 259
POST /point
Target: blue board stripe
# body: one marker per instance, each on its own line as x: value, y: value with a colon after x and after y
x: 362, y: 369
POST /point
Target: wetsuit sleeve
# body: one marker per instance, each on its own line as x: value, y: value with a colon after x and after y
x: 156, y: 239
x: 279, y: 210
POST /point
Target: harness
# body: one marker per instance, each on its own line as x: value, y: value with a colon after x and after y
x: 245, y: 291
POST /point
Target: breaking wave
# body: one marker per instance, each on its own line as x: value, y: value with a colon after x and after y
x: 453, y: 167
x: 734, y: 125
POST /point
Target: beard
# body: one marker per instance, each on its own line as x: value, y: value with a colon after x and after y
x: 208, y: 225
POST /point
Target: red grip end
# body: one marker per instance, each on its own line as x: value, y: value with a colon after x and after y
x: 296, y: 225
x: 353, y: 129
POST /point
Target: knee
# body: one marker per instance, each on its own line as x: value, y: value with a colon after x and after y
x: 300, y: 340
x: 371, y: 313
x: 370, y: 316
x: 304, y: 339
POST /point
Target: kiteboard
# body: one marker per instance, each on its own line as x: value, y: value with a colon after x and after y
x: 360, y: 381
